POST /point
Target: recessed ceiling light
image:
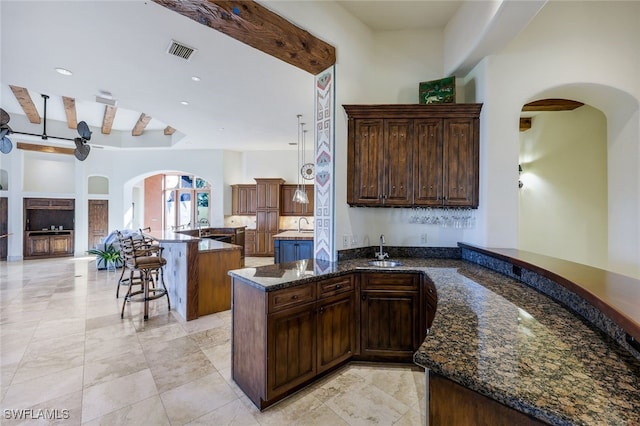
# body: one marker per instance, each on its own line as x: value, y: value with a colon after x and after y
x: 184, y: 102
x: 195, y: 78
x: 63, y: 71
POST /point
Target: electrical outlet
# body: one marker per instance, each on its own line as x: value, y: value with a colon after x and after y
x: 354, y: 240
x: 423, y: 238
x: 345, y: 241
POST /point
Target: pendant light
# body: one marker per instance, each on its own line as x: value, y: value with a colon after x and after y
x: 300, y: 196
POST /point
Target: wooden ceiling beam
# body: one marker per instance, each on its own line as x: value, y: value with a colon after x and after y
x: 107, y: 119
x: 552, y: 105
x: 142, y: 123
x: 23, y: 97
x: 45, y: 148
x: 168, y: 131
x: 525, y: 123
x: 260, y: 28
x: 70, y: 111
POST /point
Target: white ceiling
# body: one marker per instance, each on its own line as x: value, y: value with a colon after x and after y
x: 120, y: 47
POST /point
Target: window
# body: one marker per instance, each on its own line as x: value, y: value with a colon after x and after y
x: 185, y: 204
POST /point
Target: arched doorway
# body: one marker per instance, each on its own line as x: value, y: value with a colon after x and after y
x: 563, y: 209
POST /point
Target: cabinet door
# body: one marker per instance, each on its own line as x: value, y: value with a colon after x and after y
x: 291, y: 348
x: 249, y: 242
x: 60, y: 244
x: 251, y: 200
x: 286, y: 251
x: 398, y: 162
x: 38, y: 246
x: 390, y: 316
x: 460, y: 160
x: 286, y: 204
x: 368, y: 163
x: 336, y: 330
x: 427, y: 163
x: 305, y: 250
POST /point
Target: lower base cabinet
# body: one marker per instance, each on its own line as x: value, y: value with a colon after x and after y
x: 284, y: 339
x: 390, y: 316
x: 292, y: 250
x: 48, y: 245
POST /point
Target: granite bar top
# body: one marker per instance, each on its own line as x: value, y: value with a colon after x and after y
x: 503, y: 339
x: 294, y: 235
x: 170, y: 236
x: 616, y: 295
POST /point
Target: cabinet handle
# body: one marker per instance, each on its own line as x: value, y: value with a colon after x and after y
x: 364, y: 297
x: 338, y: 286
x: 294, y: 297
x: 322, y: 310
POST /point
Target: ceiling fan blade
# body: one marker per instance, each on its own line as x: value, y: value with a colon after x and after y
x: 5, y: 145
x: 4, y: 131
x: 83, y: 131
x: 4, y: 117
x: 82, y: 149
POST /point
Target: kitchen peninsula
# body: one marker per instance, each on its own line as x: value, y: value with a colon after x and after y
x: 495, y: 348
x: 196, y: 273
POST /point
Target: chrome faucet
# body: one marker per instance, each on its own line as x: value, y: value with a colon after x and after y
x: 299, y: 220
x: 381, y: 255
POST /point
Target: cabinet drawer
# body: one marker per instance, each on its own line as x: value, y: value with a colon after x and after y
x: 391, y: 282
x: 334, y: 286
x: 290, y: 297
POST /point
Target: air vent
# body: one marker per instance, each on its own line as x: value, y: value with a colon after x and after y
x: 180, y: 50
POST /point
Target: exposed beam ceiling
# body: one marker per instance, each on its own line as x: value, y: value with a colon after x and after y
x: 107, y: 119
x: 45, y: 148
x: 258, y: 27
x: 142, y: 123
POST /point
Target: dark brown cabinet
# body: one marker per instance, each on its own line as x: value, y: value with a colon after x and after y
x: 390, y: 316
x: 291, y: 349
x: 283, y: 339
x: 249, y: 242
x: 267, y: 214
x: 48, y: 224
x: 243, y: 200
x: 289, y: 208
x: 336, y: 332
x: 413, y: 155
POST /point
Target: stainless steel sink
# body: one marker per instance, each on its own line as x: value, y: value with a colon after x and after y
x: 385, y: 263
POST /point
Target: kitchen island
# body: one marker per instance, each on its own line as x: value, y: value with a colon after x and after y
x: 492, y: 338
x: 196, y: 272
x: 292, y: 245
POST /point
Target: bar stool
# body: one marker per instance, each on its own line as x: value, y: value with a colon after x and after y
x: 143, y: 257
x: 134, y: 277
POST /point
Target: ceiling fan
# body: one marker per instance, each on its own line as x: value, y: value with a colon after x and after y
x: 82, y: 148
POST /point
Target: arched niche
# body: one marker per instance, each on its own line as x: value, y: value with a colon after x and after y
x: 98, y: 185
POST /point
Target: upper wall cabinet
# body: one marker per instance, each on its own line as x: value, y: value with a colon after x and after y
x: 413, y: 155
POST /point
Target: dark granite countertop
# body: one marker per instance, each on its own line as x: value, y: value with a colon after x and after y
x: 503, y: 339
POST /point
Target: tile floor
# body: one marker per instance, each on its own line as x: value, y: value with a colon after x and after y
x: 66, y: 354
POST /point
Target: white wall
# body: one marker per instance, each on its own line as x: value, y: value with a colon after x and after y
x: 563, y: 203
x: 566, y: 52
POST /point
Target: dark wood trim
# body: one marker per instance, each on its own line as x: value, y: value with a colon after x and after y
x: 413, y: 110
x: 255, y: 25
x: 552, y: 105
x: 525, y: 123
x: 45, y: 148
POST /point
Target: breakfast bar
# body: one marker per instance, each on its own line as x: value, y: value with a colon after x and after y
x: 495, y: 348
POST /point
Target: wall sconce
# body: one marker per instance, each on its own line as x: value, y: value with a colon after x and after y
x: 520, y: 184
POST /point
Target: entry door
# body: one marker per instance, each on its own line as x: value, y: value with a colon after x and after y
x: 4, y: 219
x: 98, y: 221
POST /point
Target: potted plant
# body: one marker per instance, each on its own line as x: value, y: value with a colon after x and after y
x: 107, y: 258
